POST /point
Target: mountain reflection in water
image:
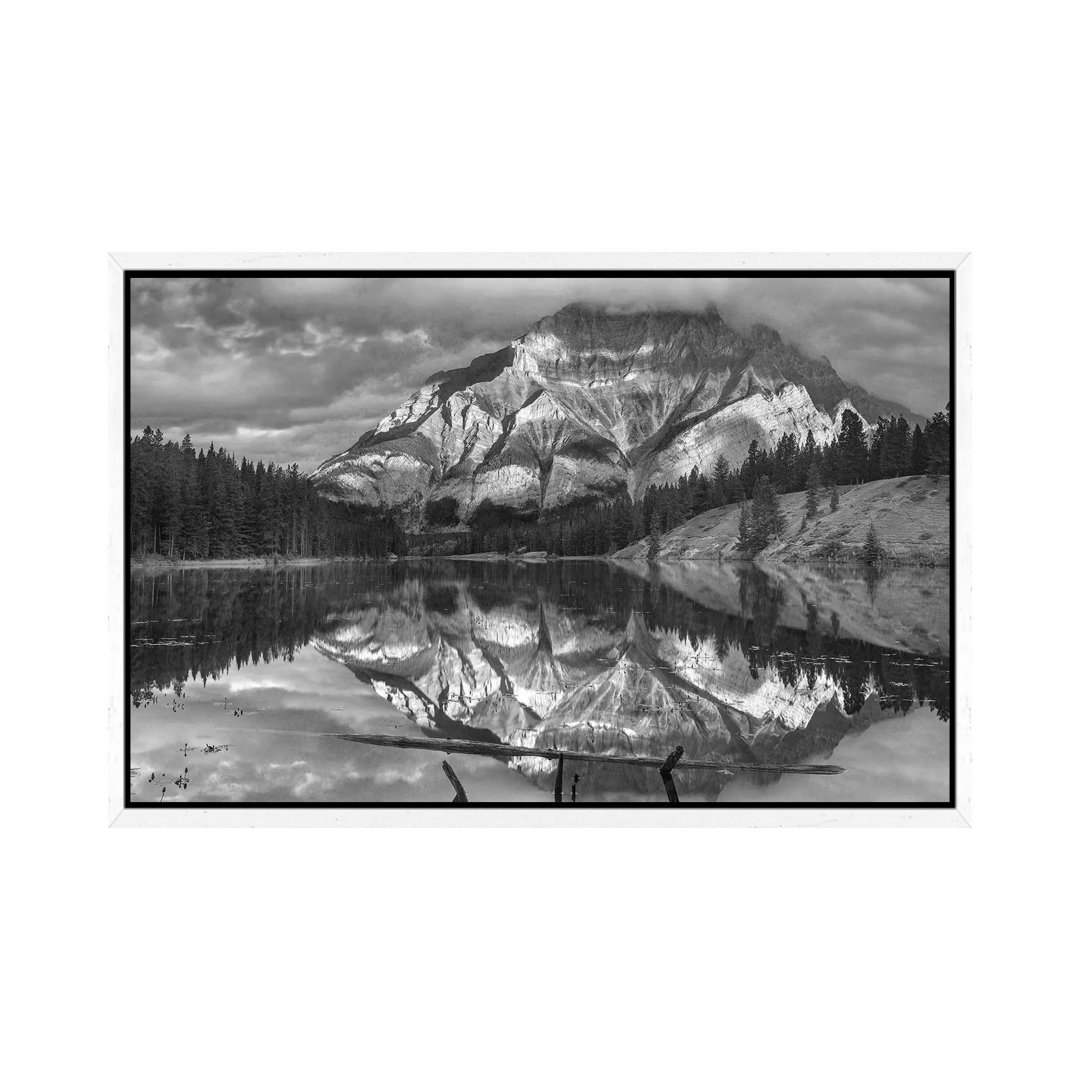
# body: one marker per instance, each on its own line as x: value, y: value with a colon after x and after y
x: 732, y: 662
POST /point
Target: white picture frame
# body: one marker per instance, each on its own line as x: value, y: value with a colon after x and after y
x: 683, y: 816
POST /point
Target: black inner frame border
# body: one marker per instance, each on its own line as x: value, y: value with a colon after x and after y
x: 131, y: 275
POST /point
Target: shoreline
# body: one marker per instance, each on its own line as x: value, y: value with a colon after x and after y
x: 160, y: 565
x: 854, y: 562
x: 158, y: 562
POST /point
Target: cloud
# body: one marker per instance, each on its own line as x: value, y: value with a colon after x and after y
x: 296, y: 369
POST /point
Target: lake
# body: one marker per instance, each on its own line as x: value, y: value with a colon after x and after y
x: 250, y: 685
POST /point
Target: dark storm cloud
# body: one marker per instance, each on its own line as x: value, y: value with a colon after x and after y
x: 295, y: 369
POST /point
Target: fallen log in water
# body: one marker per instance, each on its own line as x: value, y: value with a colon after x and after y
x: 504, y: 750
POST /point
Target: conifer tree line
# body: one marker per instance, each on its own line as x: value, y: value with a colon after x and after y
x: 185, y: 504
x: 188, y: 504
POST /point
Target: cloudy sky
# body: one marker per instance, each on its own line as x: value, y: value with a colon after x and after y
x: 296, y: 369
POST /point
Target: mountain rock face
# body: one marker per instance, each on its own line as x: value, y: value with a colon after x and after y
x: 588, y: 403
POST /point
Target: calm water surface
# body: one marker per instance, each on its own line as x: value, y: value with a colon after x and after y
x: 243, y: 681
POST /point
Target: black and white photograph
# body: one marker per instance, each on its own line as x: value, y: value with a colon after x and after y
x: 540, y: 539
x: 561, y: 503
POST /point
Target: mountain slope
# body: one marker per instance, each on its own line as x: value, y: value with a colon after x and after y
x: 588, y: 403
x: 910, y: 516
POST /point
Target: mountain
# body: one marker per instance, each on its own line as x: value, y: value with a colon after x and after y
x: 588, y: 403
x: 826, y: 389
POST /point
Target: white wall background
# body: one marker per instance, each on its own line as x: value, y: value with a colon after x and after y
x: 564, y: 126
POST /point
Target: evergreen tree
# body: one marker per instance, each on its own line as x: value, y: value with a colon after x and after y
x: 654, y: 539
x: 834, y: 499
x: 872, y: 551
x: 808, y: 457
x: 938, y: 439
x: 896, y: 447
x: 813, y: 488
x: 762, y: 522
x: 785, y: 463
x: 745, y: 542
x: 918, y: 452
x: 875, y: 465
x: 701, y: 494
x: 767, y: 522
x: 748, y: 474
x: 721, y: 481
x: 139, y: 493
x: 851, y: 449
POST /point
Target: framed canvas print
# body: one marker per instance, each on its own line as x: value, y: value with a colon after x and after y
x: 539, y: 539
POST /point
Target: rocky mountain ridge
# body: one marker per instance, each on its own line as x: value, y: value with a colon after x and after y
x: 588, y: 403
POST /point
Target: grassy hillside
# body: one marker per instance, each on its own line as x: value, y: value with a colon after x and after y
x: 910, y: 515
